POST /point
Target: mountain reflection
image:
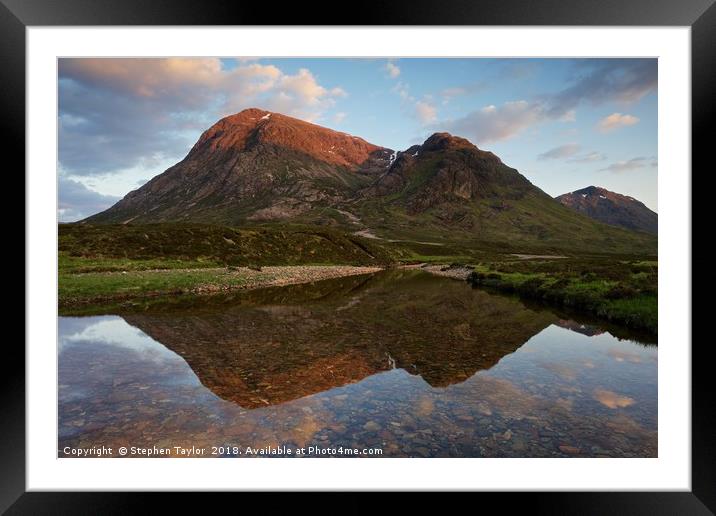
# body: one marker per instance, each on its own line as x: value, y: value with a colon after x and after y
x: 270, y: 346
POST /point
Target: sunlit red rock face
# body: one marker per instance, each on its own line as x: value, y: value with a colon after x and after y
x: 612, y: 208
x: 251, y: 127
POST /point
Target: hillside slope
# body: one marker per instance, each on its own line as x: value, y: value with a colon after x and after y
x: 217, y: 245
x: 449, y: 190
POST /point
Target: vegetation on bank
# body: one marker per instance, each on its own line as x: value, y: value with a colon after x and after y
x: 177, y: 245
x: 95, y: 287
x: 92, y: 288
x: 621, y: 291
x: 102, y: 263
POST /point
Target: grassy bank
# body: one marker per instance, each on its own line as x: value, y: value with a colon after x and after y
x: 107, y: 263
x: 622, y: 291
x: 83, y: 289
x: 175, y: 245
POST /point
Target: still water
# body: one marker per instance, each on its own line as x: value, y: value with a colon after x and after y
x: 400, y: 364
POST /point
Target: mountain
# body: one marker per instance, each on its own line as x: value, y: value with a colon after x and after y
x: 254, y: 165
x: 258, y: 167
x: 611, y: 208
x: 448, y: 190
x: 448, y: 169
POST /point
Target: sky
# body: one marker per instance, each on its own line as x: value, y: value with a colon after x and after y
x: 563, y: 123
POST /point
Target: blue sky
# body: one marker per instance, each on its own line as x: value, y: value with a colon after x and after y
x: 563, y: 123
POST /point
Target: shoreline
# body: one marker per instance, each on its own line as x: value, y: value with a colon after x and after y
x: 117, y: 286
x: 640, y: 315
x: 597, y: 297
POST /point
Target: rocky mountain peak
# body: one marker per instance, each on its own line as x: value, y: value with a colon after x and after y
x: 252, y: 127
x: 448, y: 170
x: 611, y: 208
x: 446, y: 141
x: 594, y: 190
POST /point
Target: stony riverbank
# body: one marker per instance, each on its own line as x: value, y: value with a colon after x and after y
x: 99, y: 287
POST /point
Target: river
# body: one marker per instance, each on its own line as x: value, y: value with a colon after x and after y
x: 395, y: 364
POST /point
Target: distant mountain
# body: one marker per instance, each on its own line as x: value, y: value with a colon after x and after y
x: 262, y: 167
x: 611, y: 208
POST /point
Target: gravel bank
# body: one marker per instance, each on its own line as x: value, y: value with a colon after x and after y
x: 103, y: 287
x: 276, y: 276
x: 458, y: 273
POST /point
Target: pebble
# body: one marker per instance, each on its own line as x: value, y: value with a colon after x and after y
x: 371, y: 426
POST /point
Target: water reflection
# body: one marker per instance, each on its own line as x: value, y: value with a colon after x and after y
x: 411, y: 363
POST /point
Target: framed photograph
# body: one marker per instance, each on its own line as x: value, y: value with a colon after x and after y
x: 432, y: 250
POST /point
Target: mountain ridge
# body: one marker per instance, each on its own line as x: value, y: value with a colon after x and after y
x: 253, y: 126
x: 257, y: 167
x: 611, y: 208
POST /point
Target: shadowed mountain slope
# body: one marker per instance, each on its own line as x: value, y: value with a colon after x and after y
x: 611, y: 208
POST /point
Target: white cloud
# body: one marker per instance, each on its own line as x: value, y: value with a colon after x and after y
x: 631, y: 164
x: 569, y: 116
x: 119, y: 182
x: 425, y: 112
x: 563, y: 151
x: 590, y: 157
x: 571, y: 153
x: 116, y: 114
x: 598, y: 81
x: 392, y: 69
x: 455, y: 91
x: 615, y: 121
x: 594, y: 81
x: 403, y: 90
x: 77, y: 201
x: 493, y: 123
x: 448, y: 94
x: 339, y: 117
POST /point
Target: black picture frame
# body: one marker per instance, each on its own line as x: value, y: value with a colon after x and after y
x: 700, y: 15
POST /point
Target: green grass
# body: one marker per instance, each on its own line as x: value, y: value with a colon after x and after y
x: 534, y: 224
x: 425, y: 258
x: 639, y: 312
x: 78, y: 264
x: 98, y: 286
x: 606, y: 288
x: 171, y: 245
x: 105, y: 263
